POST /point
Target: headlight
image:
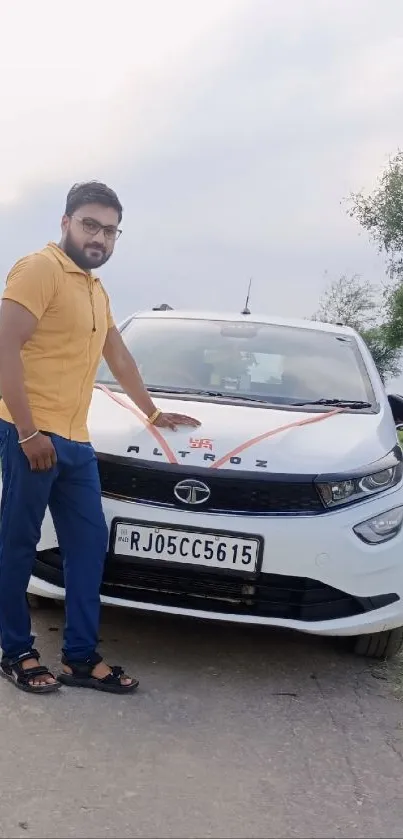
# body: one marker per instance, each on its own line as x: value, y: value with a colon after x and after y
x: 380, y: 528
x: 334, y: 493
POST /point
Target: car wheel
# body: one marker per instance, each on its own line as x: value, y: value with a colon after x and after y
x: 379, y: 644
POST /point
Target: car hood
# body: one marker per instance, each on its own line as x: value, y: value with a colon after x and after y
x: 242, y: 437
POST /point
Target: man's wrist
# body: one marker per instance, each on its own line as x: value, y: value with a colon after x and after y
x: 25, y: 431
x: 28, y: 439
x: 154, y: 415
x: 150, y: 410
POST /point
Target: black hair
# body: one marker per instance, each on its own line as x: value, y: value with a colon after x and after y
x: 92, y: 192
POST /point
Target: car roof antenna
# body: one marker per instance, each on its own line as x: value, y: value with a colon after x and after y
x: 246, y: 310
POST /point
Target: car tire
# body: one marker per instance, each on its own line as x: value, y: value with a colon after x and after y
x: 379, y: 644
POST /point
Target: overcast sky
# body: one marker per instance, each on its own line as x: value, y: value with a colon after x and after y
x: 231, y: 129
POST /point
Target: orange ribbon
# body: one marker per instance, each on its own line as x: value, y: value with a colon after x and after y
x: 140, y: 416
x: 171, y: 457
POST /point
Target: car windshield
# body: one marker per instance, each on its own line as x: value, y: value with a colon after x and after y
x: 246, y: 360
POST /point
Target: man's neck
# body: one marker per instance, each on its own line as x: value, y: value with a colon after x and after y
x: 87, y: 270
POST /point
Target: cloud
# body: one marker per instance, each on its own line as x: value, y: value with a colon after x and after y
x: 232, y: 131
x: 79, y: 71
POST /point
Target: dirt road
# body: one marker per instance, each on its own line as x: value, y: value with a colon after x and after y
x: 235, y: 732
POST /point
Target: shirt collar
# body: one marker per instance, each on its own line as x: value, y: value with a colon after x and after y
x: 67, y: 264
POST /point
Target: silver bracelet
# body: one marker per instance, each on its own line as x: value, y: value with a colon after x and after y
x: 27, y: 439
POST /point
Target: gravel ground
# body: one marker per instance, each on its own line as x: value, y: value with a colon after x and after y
x: 234, y: 732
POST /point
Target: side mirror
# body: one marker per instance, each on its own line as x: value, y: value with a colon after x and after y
x: 396, y: 405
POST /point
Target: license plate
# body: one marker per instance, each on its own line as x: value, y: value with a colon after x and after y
x: 211, y: 550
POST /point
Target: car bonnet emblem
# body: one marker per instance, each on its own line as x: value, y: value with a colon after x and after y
x: 192, y: 492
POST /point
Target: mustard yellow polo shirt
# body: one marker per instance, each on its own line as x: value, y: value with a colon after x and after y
x: 61, y: 360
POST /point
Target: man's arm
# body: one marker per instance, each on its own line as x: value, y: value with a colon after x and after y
x: 122, y: 365
x: 17, y: 326
x: 29, y: 290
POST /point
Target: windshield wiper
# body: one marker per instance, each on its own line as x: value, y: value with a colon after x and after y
x: 342, y: 403
x: 193, y: 391
x: 244, y: 397
x: 180, y: 390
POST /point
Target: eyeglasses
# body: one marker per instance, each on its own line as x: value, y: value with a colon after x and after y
x: 93, y: 227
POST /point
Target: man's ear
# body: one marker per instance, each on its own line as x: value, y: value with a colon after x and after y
x: 65, y: 223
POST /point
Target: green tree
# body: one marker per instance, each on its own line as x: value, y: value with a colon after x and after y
x: 353, y: 302
x: 348, y: 301
x: 381, y: 214
x: 386, y: 357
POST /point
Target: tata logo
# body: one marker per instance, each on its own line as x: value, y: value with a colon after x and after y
x: 192, y: 492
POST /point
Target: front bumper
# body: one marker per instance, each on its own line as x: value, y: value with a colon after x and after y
x: 386, y: 618
x: 316, y: 575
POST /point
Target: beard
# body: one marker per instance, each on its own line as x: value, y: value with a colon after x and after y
x: 90, y: 256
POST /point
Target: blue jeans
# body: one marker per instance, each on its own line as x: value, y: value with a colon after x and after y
x: 73, y: 493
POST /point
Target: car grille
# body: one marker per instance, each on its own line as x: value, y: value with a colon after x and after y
x: 270, y: 596
x: 229, y: 492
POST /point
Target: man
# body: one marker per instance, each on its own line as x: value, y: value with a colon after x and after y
x: 55, y: 324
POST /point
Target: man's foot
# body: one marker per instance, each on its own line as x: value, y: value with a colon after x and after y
x: 95, y: 674
x: 100, y: 671
x: 28, y: 675
x: 46, y: 679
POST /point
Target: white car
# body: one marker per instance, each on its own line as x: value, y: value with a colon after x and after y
x: 284, y: 508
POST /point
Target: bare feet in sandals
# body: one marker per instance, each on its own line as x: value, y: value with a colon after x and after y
x: 28, y: 675
x: 98, y: 676
x: 46, y: 679
x: 100, y: 671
